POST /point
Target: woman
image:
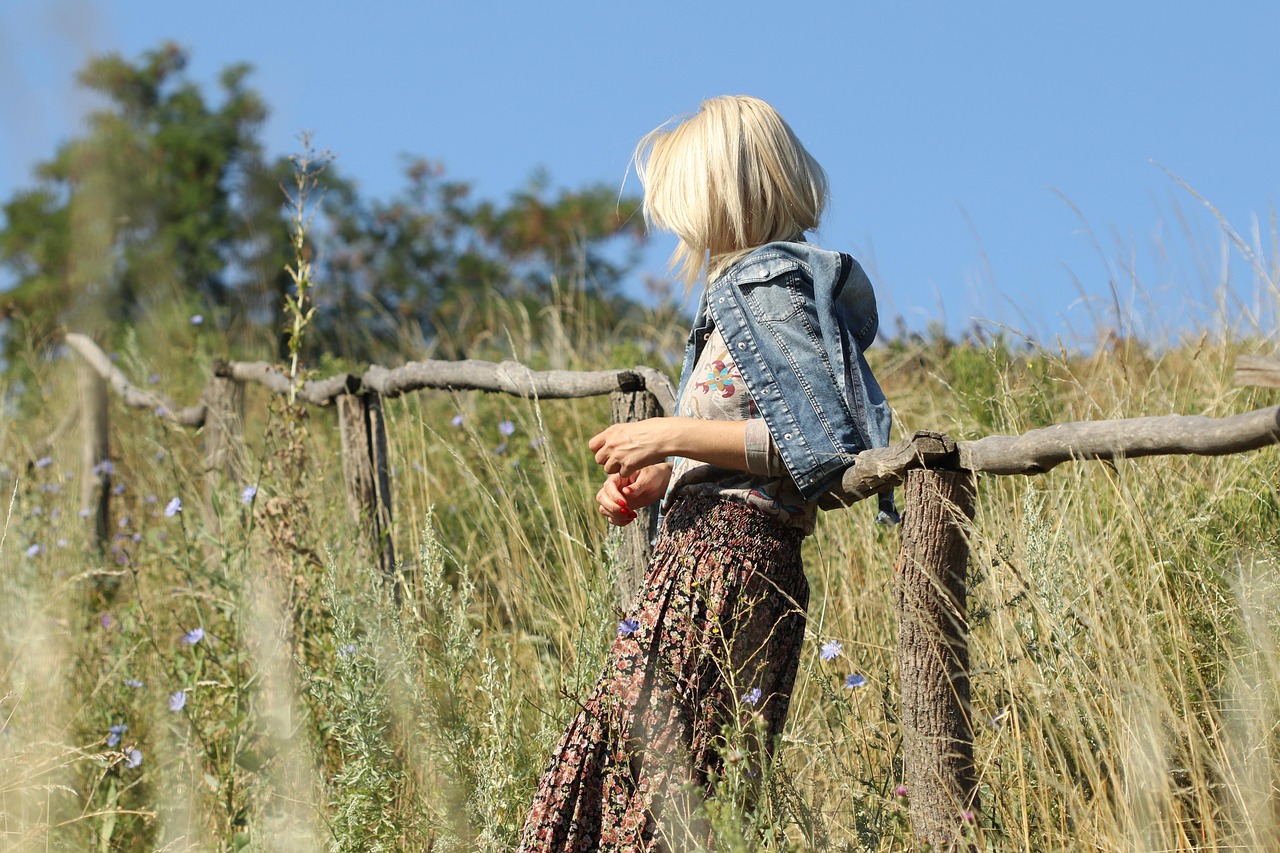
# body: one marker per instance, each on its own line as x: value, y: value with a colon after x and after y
x: 775, y: 399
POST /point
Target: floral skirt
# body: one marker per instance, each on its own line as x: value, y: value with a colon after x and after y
x: 707, y: 655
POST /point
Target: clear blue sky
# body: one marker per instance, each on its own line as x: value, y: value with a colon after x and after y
x: 958, y: 137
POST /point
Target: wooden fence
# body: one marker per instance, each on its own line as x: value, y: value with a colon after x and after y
x: 938, y: 475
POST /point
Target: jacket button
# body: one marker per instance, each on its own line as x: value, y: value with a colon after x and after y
x: 787, y: 437
x: 741, y: 345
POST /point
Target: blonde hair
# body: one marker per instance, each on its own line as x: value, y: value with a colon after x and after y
x: 727, y: 179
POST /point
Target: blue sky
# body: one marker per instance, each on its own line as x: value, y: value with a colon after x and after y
x: 990, y: 163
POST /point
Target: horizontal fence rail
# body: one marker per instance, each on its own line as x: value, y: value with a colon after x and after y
x: 938, y: 472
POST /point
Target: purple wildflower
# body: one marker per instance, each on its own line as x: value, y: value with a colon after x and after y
x: 752, y: 696
x: 173, y: 508
x: 154, y: 378
x: 132, y: 757
x: 627, y: 627
x: 150, y: 499
x: 34, y: 549
x: 44, y: 461
x: 248, y: 493
x: 500, y: 449
x: 123, y: 523
x: 457, y: 420
x: 133, y: 683
x: 113, y: 734
x: 506, y: 428
x: 177, y: 701
x: 105, y: 467
x: 161, y: 412
x: 966, y: 816
x: 197, y: 319
x: 106, y: 621
x: 193, y: 636
x: 118, y: 489
x: 900, y: 792
x: 854, y: 681
x: 346, y: 650
x: 84, y: 512
x: 832, y: 649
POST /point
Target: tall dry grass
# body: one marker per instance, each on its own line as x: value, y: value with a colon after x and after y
x: 1125, y: 620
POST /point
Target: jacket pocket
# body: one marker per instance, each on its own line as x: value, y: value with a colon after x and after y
x: 774, y: 301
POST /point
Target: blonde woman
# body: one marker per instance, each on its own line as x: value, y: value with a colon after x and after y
x: 775, y: 398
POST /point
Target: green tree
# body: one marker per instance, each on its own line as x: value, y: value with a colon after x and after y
x: 165, y: 196
x: 168, y: 196
x: 431, y: 260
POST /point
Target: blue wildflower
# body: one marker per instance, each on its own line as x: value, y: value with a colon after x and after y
x: 105, y: 467
x: 154, y: 378
x: 197, y: 319
x: 132, y: 757
x: 506, y: 428
x: 161, y: 412
x: 193, y: 636
x: 123, y: 523
x: 150, y: 499
x: 84, y: 512
x: 177, y: 701
x: 832, y: 649
x: 34, y: 549
x: 173, y: 508
x: 117, y: 489
x: 854, y: 681
x: 61, y: 543
x: 133, y: 683
x: 500, y: 449
x: 457, y: 420
x: 248, y: 494
x: 44, y: 461
x: 106, y: 621
x: 113, y: 734
x: 627, y: 627
x: 752, y: 696
x: 346, y: 650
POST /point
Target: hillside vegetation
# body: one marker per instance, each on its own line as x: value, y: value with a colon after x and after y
x: 237, y: 677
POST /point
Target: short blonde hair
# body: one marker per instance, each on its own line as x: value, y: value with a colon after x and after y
x: 727, y: 179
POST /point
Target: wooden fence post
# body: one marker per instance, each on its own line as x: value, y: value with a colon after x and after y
x: 223, y: 435
x: 367, y: 474
x: 933, y: 655
x: 636, y: 547
x: 95, y: 477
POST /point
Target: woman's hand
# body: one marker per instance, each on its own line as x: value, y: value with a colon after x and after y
x: 620, y: 496
x: 627, y: 448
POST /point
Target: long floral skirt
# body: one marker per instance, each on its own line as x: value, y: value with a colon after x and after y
x: 706, y: 656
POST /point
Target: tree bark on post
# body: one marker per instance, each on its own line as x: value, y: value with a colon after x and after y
x: 933, y: 654
x: 636, y: 546
x: 367, y: 474
x: 95, y: 477
x: 223, y: 436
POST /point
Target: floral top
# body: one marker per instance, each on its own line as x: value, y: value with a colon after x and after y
x: 715, y: 391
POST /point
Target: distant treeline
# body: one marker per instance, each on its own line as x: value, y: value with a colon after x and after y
x: 168, y: 197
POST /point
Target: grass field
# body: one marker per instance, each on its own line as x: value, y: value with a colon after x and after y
x: 235, y: 677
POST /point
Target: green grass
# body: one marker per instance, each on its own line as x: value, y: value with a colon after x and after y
x: 1126, y: 670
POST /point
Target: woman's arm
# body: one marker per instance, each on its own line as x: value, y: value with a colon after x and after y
x: 626, y: 448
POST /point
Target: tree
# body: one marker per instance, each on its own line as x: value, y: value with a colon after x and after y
x: 168, y: 196
x: 164, y: 196
x: 432, y: 258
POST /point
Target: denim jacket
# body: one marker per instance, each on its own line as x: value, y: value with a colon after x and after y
x: 798, y: 318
